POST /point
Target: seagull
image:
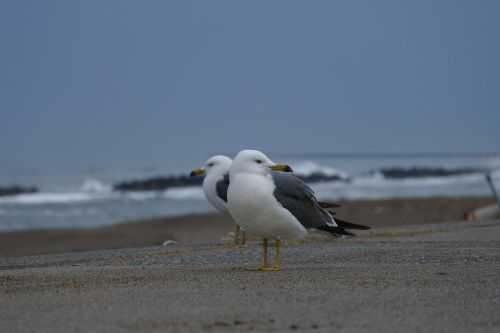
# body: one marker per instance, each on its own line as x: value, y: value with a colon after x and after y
x: 275, y: 205
x: 216, y: 184
x: 215, y: 187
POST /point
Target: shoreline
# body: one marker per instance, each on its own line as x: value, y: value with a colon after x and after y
x: 214, y: 227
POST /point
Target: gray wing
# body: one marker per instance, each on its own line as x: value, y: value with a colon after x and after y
x: 221, y: 187
x: 298, y: 198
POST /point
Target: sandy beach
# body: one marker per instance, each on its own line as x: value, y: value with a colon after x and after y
x: 214, y: 227
x: 419, y: 269
x: 427, y: 278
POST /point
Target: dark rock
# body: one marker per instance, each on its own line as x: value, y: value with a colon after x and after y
x: 15, y: 190
x: 158, y: 183
x: 425, y: 172
x: 162, y: 183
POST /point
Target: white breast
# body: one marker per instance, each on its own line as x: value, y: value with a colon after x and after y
x: 210, y: 191
x: 253, y: 206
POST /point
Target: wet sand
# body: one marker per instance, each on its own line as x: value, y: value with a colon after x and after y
x: 214, y: 227
x: 429, y: 278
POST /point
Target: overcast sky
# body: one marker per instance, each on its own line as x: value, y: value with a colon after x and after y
x: 100, y: 81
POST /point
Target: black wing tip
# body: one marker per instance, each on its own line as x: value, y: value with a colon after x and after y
x: 349, y: 225
x: 336, y: 231
x: 329, y: 205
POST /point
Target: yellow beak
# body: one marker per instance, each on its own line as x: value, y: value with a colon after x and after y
x: 197, y: 172
x: 281, y: 167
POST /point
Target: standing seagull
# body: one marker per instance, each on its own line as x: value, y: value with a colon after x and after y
x: 274, y: 207
x: 215, y: 186
x: 216, y: 183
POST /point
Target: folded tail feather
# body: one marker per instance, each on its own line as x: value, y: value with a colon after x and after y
x: 349, y: 225
x: 336, y: 231
x: 329, y: 205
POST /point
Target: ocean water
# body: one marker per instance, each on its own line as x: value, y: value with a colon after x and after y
x: 84, y: 197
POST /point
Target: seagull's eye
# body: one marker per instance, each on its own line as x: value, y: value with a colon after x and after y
x: 258, y: 161
x: 210, y: 164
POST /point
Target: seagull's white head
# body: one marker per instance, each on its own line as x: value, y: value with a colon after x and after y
x: 255, y: 162
x: 218, y: 164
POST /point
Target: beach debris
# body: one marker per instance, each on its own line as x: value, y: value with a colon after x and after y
x: 169, y: 242
x: 491, y: 183
x: 483, y: 213
x: 490, y: 211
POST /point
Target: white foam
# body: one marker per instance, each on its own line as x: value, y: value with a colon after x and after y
x: 185, y: 193
x: 307, y: 168
x: 378, y: 179
x: 373, y: 179
x: 140, y: 196
x: 91, y: 189
x: 70, y: 212
x: 47, y: 198
x: 92, y: 185
x: 375, y: 186
x: 94, y: 194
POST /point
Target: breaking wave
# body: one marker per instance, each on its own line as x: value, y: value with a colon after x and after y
x: 376, y: 186
x: 185, y: 193
x: 47, y: 198
x: 308, y: 168
x: 327, y: 181
x: 92, y: 185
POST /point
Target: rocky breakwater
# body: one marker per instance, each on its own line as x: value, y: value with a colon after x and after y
x: 15, y: 190
x: 157, y: 183
x: 422, y: 172
x: 163, y: 183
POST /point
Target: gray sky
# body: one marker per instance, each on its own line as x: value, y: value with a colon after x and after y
x: 100, y: 81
